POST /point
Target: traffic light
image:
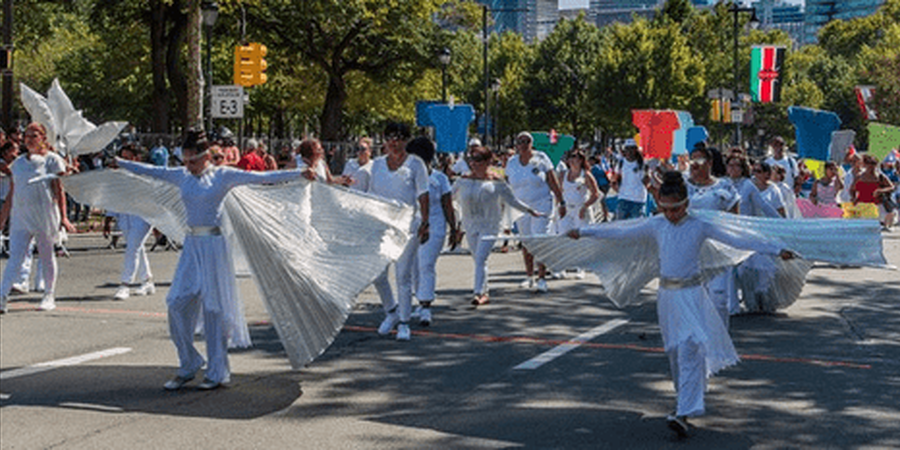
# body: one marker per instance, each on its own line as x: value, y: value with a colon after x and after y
x: 250, y: 64
x: 720, y: 111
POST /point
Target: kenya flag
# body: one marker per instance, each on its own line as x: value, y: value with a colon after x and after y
x: 864, y: 98
x: 765, y: 73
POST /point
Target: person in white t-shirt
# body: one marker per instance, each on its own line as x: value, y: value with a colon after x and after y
x: 402, y: 177
x: 358, y: 170
x: 36, y: 211
x: 534, y: 182
x: 791, y: 168
x: 632, y: 183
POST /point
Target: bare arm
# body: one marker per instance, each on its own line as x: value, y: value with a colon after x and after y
x: 553, y: 182
x: 594, y: 193
x: 60, y: 196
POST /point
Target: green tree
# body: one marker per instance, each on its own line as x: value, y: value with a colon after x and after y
x: 384, y: 40
x: 555, y: 85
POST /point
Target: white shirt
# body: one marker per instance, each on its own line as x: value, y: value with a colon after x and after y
x: 438, y: 186
x: 461, y: 167
x: 791, y: 171
x: 4, y: 186
x: 632, y: 186
x: 405, y: 184
x: 321, y: 174
x: 359, y: 174
x: 34, y: 209
x: 752, y: 203
x: 481, y: 202
x: 718, y: 196
x: 772, y: 196
x: 529, y: 181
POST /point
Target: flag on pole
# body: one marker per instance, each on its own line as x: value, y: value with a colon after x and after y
x: 864, y: 98
x: 765, y: 73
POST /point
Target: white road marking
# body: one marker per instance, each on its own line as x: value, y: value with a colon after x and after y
x: 91, y: 406
x: 562, y: 349
x: 50, y: 365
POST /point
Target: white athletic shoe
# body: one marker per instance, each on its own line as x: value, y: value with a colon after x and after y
x: 403, y: 333
x: 528, y: 283
x: 122, y: 293
x: 541, y: 286
x: 425, y: 317
x: 579, y: 274
x: 390, y: 321
x: 19, y: 288
x: 48, y: 303
x: 147, y: 288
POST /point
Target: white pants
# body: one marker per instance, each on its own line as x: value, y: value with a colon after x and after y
x: 136, y: 262
x: 688, y: 365
x: 428, y: 255
x: 19, y: 245
x: 404, y: 267
x: 481, y: 250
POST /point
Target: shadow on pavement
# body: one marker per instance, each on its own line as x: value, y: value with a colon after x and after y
x: 139, y: 389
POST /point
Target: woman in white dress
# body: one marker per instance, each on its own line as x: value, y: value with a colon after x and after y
x: 204, y: 278
x: 481, y: 196
x: 580, y: 192
x: 35, y: 211
x: 358, y: 170
x: 402, y: 177
x: 751, y: 201
x: 694, y: 337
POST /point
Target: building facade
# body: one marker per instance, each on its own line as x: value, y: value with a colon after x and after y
x: 819, y: 12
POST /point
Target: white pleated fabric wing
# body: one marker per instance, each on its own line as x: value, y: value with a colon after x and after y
x: 625, y: 266
x: 311, y: 248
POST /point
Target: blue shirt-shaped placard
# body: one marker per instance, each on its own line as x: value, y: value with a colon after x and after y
x: 695, y: 135
x: 813, y: 129
x: 422, y: 118
x: 679, y: 142
x: 451, y: 126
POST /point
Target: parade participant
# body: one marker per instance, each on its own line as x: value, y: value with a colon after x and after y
x: 9, y: 151
x: 534, y: 182
x: 310, y: 158
x: 791, y: 167
x: 694, y: 337
x: 136, y: 230
x: 580, y: 192
x: 631, y: 183
x: 791, y: 211
x: 822, y: 202
x: 403, y: 177
x: 358, y: 170
x: 762, y: 173
x: 871, y: 187
x: 751, y: 202
x: 204, y: 278
x: 251, y: 160
x: 440, y: 214
x: 35, y: 211
x: 481, y: 196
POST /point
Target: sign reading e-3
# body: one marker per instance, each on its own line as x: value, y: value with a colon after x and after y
x: 227, y: 102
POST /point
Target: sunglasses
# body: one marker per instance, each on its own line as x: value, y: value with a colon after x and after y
x: 698, y: 161
x: 394, y: 137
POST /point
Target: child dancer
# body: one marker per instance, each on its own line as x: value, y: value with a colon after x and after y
x: 204, y: 275
x: 694, y: 336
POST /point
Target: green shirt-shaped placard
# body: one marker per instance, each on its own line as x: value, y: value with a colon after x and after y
x: 556, y: 150
x: 883, y: 138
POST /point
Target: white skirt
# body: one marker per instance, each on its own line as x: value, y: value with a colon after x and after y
x: 689, y: 313
x: 205, y: 270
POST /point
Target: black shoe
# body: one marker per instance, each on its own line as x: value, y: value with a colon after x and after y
x: 177, y: 383
x: 208, y: 385
x: 679, y: 425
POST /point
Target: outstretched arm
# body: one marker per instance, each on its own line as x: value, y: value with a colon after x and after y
x: 168, y: 174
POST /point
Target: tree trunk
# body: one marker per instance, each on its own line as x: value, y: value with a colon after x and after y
x: 174, y: 71
x: 160, y: 102
x: 332, y: 114
x: 194, y: 66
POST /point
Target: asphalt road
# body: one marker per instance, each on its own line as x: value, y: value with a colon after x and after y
x: 823, y: 374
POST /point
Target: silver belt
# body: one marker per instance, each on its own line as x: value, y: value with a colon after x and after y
x: 205, y: 231
x: 681, y: 283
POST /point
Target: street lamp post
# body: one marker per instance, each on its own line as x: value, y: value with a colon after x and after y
x: 444, y: 58
x: 735, y: 10
x: 210, y: 12
x: 495, y: 88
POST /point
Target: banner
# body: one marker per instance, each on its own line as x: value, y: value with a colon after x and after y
x: 813, y: 130
x: 765, y: 73
x: 657, y: 129
x: 882, y: 139
x: 864, y: 98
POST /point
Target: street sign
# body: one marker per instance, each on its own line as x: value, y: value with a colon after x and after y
x: 227, y: 102
x: 737, y: 115
x: 720, y: 93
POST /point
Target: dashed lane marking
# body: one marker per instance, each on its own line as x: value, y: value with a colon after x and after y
x: 50, y: 365
x: 562, y: 349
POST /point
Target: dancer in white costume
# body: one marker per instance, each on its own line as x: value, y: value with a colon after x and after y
x: 8, y: 153
x: 204, y: 278
x: 36, y: 211
x: 402, y: 177
x: 481, y: 197
x: 694, y: 337
x: 136, y: 264
x: 751, y: 203
x: 580, y: 192
x: 358, y: 170
x: 708, y: 192
x: 441, y: 213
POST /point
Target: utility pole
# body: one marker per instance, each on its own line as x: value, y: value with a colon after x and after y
x: 7, y: 72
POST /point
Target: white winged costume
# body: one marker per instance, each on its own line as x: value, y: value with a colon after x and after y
x: 311, y: 248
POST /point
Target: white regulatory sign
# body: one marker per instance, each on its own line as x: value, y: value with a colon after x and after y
x: 228, y: 102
